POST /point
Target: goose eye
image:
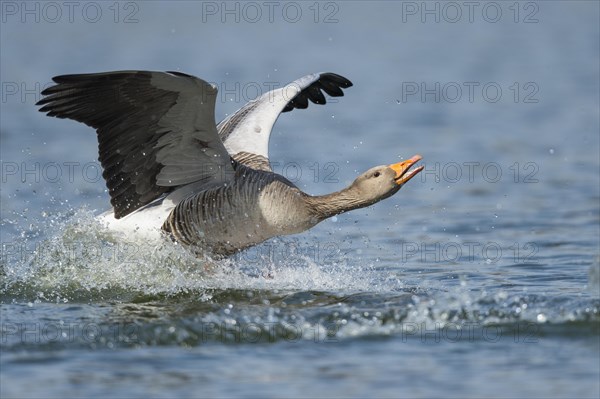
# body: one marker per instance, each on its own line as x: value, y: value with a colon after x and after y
x: 377, y: 174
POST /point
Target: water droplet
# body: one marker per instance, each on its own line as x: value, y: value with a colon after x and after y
x: 541, y: 318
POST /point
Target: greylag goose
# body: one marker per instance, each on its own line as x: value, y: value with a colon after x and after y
x: 171, y: 170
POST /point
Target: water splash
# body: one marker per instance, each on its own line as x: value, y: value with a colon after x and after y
x: 275, y: 292
x: 83, y: 260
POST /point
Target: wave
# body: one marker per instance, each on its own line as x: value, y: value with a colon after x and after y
x: 285, y: 290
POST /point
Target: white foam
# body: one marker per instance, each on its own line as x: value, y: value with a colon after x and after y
x: 86, y: 255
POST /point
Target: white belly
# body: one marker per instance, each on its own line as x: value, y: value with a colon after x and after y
x: 145, y: 223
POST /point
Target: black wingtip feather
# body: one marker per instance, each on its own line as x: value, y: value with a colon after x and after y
x: 339, y: 79
x: 328, y: 82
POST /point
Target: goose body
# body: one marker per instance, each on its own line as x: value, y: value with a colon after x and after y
x: 171, y: 170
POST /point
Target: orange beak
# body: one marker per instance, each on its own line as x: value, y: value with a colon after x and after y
x: 402, y: 169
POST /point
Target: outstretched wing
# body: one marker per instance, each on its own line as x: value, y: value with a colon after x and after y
x: 246, y: 132
x: 156, y: 130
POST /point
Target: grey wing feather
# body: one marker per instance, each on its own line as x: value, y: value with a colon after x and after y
x: 156, y: 130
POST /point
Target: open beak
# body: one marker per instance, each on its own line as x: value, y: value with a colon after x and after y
x: 403, y: 174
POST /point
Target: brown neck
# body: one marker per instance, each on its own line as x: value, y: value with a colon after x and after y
x: 326, y: 206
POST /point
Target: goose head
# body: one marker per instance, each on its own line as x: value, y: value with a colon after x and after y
x: 383, y: 181
x: 370, y: 187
